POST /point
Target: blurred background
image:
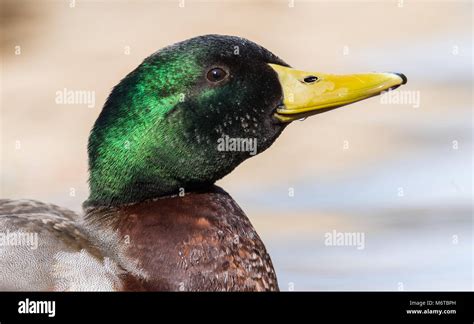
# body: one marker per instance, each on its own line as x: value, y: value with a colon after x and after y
x: 400, y: 173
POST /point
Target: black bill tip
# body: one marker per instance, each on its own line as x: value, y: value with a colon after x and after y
x: 401, y: 75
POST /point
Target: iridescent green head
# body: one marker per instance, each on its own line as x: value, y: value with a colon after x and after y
x: 184, y: 118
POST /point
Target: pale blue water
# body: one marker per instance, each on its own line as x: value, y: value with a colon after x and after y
x: 409, y: 241
x: 398, y: 254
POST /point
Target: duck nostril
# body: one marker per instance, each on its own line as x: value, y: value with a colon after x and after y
x: 310, y: 79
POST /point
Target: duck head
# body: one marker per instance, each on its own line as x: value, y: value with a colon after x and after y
x: 193, y: 111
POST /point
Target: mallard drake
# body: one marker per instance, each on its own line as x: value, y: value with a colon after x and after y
x: 154, y: 219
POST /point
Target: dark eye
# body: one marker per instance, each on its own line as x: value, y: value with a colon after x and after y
x: 310, y: 79
x: 216, y: 74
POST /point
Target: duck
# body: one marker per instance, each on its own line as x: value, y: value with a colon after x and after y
x: 154, y: 219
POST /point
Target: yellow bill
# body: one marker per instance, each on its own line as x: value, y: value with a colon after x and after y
x: 308, y: 93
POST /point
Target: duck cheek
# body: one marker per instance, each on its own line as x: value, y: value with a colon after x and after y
x: 270, y: 131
